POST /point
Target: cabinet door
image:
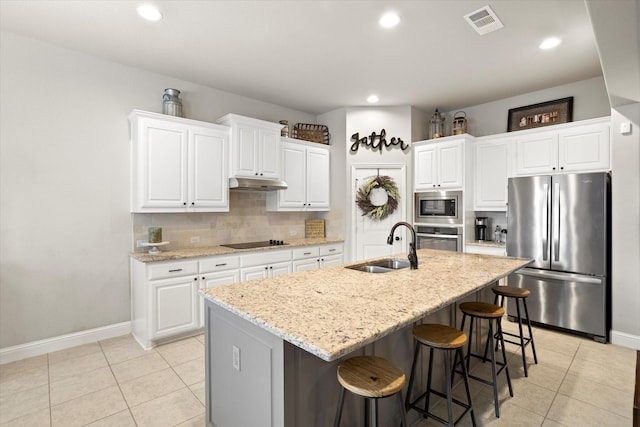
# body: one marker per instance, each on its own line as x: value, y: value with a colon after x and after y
x: 293, y: 173
x: 269, y: 163
x: 254, y: 273
x: 537, y: 153
x: 425, y: 168
x: 174, y: 306
x: 246, y: 147
x: 208, y: 177
x: 280, y: 269
x: 161, y: 177
x: 450, y: 165
x: 331, y: 260
x: 317, y: 179
x: 305, y: 265
x: 211, y: 280
x: 491, y: 173
x: 584, y: 148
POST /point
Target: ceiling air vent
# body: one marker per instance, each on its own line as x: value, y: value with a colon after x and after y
x: 484, y: 20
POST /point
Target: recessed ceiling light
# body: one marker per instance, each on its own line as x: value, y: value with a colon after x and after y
x: 550, y: 43
x: 389, y: 20
x: 372, y: 99
x: 148, y: 12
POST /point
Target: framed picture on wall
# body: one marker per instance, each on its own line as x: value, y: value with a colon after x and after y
x: 542, y: 114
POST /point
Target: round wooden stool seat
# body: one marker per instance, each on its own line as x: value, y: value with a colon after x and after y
x: 511, y: 291
x: 482, y: 309
x: 439, y: 336
x: 370, y: 376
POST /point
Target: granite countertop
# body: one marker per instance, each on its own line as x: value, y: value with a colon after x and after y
x: 488, y: 243
x: 184, y: 253
x: 333, y: 311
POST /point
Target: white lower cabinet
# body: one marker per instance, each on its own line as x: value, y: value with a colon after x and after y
x: 314, y: 257
x: 164, y: 300
x: 265, y: 264
x: 174, y: 306
x: 165, y: 297
x: 217, y: 271
x: 485, y: 250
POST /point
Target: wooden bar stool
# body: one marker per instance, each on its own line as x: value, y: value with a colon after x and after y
x: 519, y: 295
x: 447, y: 339
x: 372, y: 378
x: 490, y: 312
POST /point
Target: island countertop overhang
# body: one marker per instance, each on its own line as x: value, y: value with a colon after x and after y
x: 333, y: 311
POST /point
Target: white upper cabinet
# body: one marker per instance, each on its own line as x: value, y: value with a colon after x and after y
x: 178, y: 165
x: 438, y: 165
x: 492, y: 172
x: 584, y: 148
x: 255, y: 147
x: 305, y: 169
x: 580, y: 146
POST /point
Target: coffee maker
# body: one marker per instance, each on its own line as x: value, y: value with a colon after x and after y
x: 482, y: 223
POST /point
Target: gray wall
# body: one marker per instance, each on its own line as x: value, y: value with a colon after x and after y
x: 589, y: 101
x: 64, y: 182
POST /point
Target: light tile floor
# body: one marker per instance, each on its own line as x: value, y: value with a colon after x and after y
x: 576, y: 383
x: 115, y: 383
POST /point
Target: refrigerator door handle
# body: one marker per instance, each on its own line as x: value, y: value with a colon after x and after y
x: 559, y: 276
x: 545, y: 226
x: 556, y: 222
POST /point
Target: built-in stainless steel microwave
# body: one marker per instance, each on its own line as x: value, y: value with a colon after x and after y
x: 438, y: 207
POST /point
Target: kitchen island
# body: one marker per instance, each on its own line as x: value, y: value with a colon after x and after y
x: 272, y: 345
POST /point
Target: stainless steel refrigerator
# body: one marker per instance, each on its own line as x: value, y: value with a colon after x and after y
x: 563, y: 223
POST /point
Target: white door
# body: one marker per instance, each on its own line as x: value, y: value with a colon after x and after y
x: 370, y: 237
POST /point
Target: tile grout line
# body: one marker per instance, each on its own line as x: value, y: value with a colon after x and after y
x: 118, y: 384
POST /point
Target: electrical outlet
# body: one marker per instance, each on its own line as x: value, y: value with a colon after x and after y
x: 293, y: 233
x: 195, y: 239
x: 140, y: 243
x: 236, y: 358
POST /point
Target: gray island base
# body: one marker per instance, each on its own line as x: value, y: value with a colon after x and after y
x: 273, y: 345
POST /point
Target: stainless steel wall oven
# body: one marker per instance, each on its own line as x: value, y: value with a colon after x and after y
x: 447, y: 238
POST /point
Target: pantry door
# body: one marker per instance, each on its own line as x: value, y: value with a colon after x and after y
x: 370, y: 236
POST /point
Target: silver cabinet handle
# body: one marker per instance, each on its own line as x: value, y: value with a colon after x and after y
x: 175, y: 270
x: 221, y: 265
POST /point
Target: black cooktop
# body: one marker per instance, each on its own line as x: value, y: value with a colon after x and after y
x: 252, y: 245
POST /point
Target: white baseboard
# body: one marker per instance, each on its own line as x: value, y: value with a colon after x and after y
x: 625, y: 340
x: 61, y: 342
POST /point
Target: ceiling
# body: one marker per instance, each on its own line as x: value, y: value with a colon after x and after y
x: 315, y: 56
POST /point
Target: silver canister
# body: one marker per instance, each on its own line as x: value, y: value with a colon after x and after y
x: 171, y: 103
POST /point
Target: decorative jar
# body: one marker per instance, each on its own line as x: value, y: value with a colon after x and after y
x: 171, y: 102
x: 459, y: 125
x: 436, y: 125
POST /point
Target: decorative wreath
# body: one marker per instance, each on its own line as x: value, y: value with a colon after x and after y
x: 374, y: 211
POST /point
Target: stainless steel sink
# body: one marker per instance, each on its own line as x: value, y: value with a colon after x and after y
x: 385, y: 265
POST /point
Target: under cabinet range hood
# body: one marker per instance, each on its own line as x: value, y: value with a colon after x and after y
x: 255, y: 184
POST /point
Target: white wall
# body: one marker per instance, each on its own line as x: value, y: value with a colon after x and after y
x: 65, y: 224
x: 625, y: 185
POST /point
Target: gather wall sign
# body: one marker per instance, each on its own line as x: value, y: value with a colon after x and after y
x: 376, y: 141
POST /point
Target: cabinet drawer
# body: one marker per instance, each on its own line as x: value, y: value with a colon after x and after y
x: 264, y: 257
x: 219, y: 263
x: 306, y: 252
x: 330, y: 249
x: 171, y: 269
